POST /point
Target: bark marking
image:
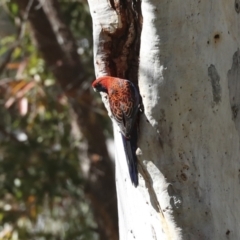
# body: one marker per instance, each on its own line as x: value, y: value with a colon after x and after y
x: 237, y: 6
x: 215, y: 81
x: 234, y: 88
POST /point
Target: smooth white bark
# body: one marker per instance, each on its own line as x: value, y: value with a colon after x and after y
x: 187, y: 50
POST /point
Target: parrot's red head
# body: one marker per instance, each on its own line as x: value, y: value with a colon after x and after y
x: 101, y: 84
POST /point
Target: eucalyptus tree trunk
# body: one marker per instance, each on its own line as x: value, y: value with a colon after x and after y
x: 188, y: 74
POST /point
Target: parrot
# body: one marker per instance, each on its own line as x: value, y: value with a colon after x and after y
x: 125, y: 106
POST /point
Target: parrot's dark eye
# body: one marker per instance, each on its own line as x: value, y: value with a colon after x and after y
x: 100, y: 88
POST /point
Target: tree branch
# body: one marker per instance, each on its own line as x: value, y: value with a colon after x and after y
x: 20, y: 35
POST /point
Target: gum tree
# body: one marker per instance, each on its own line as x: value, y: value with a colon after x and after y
x: 185, y: 58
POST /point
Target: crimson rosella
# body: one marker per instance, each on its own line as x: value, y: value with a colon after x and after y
x: 124, y: 101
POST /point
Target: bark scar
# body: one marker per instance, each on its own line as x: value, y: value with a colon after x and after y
x: 215, y: 80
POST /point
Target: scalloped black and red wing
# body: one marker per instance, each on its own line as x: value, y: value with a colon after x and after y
x: 124, y: 101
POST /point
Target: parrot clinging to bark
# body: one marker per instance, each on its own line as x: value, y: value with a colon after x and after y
x: 124, y: 101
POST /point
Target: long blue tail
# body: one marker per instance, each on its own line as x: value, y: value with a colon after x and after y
x: 130, y: 147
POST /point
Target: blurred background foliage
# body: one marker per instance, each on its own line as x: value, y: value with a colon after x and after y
x: 41, y: 189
